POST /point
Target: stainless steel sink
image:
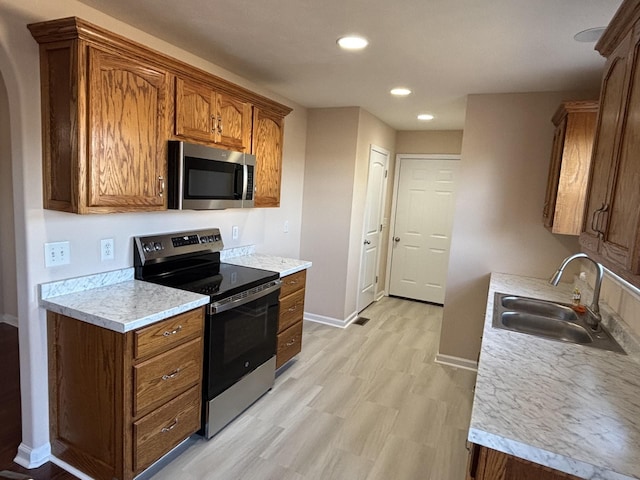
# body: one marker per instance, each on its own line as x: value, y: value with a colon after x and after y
x: 550, y: 320
x: 538, y: 307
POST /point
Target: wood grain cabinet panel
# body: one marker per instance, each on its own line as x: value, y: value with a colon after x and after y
x: 289, y: 344
x: 104, y: 124
x: 108, y: 409
x: 291, y: 315
x: 268, y: 131
x: 611, y: 230
x: 166, y: 334
x: 488, y: 464
x: 205, y: 115
x: 567, y: 183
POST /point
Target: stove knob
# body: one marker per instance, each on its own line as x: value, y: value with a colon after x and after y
x: 204, y: 239
x: 146, y: 247
x: 157, y: 246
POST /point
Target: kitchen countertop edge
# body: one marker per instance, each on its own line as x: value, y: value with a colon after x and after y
x: 116, y: 301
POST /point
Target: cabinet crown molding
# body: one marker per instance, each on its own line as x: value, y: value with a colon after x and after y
x: 71, y: 28
x: 621, y: 23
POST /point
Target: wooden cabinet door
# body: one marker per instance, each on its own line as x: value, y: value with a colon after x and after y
x: 605, y: 145
x: 267, y: 147
x: 234, y: 122
x: 488, y: 464
x: 554, y: 174
x: 126, y: 154
x: 202, y: 114
x: 195, y: 111
x: 620, y: 241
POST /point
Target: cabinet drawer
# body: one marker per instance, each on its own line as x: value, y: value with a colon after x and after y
x: 168, y: 333
x: 291, y: 310
x: 293, y: 282
x: 161, y: 430
x: 166, y: 375
x: 289, y: 344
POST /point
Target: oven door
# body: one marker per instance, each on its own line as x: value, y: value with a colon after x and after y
x: 239, y: 340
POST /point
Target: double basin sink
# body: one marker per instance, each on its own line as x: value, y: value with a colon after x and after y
x: 550, y: 320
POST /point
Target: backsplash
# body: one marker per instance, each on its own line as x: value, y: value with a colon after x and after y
x: 621, y: 296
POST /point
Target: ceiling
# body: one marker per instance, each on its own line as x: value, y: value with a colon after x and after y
x: 442, y: 50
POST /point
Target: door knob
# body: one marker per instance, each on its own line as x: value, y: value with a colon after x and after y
x: 367, y: 242
x: 396, y: 239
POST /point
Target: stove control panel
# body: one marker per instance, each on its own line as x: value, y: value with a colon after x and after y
x: 159, y: 247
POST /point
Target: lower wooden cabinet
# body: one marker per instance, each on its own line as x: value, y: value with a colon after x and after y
x: 290, y: 320
x: 488, y: 464
x: 120, y: 401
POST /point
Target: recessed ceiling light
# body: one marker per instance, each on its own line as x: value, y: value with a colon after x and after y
x: 425, y: 116
x: 590, y: 35
x: 353, y: 42
x: 401, y: 92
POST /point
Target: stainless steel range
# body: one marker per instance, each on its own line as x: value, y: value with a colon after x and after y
x: 241, y: 320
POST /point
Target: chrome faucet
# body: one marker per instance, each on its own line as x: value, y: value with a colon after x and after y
x: 594, y: 317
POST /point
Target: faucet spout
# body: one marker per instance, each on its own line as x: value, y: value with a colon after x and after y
x: 594, y: 309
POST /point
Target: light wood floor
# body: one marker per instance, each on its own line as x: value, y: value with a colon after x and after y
x: 366, y: 402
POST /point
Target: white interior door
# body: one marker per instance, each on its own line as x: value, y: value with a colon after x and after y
x: 425, y: 201
x: 369, y: 261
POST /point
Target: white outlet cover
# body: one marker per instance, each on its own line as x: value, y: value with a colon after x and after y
x: 56, y: 254
x: 107, y: 249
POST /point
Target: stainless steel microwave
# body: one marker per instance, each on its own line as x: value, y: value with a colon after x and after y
x: 207, y: 178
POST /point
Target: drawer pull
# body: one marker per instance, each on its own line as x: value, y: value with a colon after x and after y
x: 170, y: 427
x: 173, y: 332
x: 293, y: 309
x: 293, y: 282
x: 171, y: 375
x: 292, y: 342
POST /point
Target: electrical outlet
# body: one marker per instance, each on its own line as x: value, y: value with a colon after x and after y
x: 234, y: 232
x: 107, y: 249
x: 56, y: 254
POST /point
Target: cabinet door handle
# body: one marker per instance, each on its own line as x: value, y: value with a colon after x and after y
x: 172, y: 332
x: 594, y: 219
x: 604, y: 210
x: 160, y: 186
x: 170, y: 427
x: 169, y: 376
x: 220, y: 125
x: 213, y: 124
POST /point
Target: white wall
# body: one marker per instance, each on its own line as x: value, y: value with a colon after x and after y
x: 336, y: 170
x: 8, y: 293
x: 35, y: 226
x: 497, y: 226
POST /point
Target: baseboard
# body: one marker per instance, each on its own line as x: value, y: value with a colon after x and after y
x: 381, y: 295
x: 9, y: 319
x: 334, y: 322
x: 72, y: 470
x: 28, y: 457
x: 457, y: 362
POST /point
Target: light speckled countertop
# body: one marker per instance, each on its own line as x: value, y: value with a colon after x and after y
x: 570, y: 407
x: 284, y: 266
x: 116, y: 301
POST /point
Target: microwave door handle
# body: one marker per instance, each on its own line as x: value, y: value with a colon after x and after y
x: 245, y: 179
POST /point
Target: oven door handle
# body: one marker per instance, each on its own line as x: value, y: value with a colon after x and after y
x: 242, y: 298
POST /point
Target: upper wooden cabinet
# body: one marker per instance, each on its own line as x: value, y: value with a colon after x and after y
x: 204, y: 115
x: 109, y: 107
x: 612, y: 219
x: 564, y: 205
x: 103, y: 115
x: 268, y: 131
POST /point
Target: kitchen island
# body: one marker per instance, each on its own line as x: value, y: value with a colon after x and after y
x: 569, y: 407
